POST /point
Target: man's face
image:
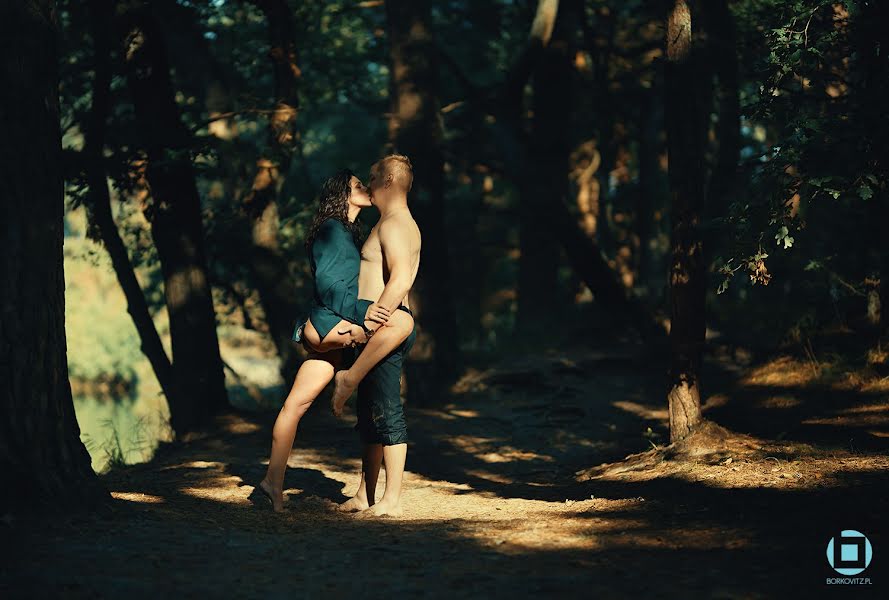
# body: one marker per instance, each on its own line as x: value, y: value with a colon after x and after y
x: 374, y: 182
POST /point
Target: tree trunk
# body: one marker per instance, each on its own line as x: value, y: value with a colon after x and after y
x: 174, y: 211
x: 544, y: 181
x: 44, y: 463
x: 415, y: 130
x: 99, y: 205
x: 268, y: 266
x: 872, y: 40
x: 686, y: 112
x: 649, y: 148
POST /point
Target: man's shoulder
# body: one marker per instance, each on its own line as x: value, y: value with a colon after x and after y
x: 402, y: 221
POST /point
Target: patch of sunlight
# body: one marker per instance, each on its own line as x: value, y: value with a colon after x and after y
x: 641, y: 411
x: 195, y: 464
x: 474, y: 444
x: 783, y: 371
x: 715, y: 401
x: 137, y: 497
x: 226, y: 491
x: 466, y: 414
x: 241, y: 427
x: 779, y: 402
x: 509, y: 454
x: 489, y: 476
x: 854, y: 420
x: 867, y: 408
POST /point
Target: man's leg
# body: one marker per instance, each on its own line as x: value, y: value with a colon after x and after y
x: 390, y: 504
x: 384, y: 341
x: 371, y: 459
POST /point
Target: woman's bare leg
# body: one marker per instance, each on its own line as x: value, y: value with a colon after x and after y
x: 313, y: 375
x: 338, y: 338
x: 386, y: 339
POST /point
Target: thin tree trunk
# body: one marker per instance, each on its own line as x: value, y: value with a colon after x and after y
x: 269, y: 267
x: 602, y: 50
x: 174, y: 211
x: 415, y: 130
x: 44, y: 463
x: 545, y: 176
x: 99, y: 205
x: 686, y: 111
x: 648, y: 188
x: 723, y: 51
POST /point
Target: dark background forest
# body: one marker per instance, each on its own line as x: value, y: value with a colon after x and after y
x: 676, y: 211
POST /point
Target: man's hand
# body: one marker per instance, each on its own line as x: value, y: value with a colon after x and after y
x: 376, y: 314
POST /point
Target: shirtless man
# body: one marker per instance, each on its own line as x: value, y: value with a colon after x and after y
x: 389, y: 261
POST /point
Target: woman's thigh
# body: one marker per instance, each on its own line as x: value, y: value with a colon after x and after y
x: 313, y: 376
x: 337, y: 338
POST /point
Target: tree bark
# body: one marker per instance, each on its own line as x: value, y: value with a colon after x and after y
x: 872, y: 40
x: 44, y: 463
x: 268, y: 266
x: 415, y: 130
x: 686, y: 112
x: 99, y: 204
x: 544, y: 180
x: 649, y: 148
x: 174, y: 211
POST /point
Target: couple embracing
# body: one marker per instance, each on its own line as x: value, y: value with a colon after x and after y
x: 361, y: 303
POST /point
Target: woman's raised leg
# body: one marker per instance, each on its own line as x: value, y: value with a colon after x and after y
x: 386, y: 339
x: 313, y: 375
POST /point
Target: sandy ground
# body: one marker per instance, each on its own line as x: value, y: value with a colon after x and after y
x: 544, y: 480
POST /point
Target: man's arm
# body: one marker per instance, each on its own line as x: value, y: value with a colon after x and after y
x: 396, y: 246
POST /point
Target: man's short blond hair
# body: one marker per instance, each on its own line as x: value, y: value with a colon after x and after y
x: 401, y: 169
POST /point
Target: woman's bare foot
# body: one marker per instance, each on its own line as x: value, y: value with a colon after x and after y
x: 277, y: 498
x: 385, y: 508
x: 342, y: 390
x: 355, y: 504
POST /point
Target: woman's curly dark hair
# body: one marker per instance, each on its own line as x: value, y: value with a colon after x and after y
x: 333, y: 203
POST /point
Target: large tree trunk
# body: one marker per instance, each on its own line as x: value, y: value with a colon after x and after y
x: 415, y: 130
x: 269, y: 267
x: 43, y: 461
x: 99, y: 205
x: 174, y: 211
x: 686, y: 112
x: 544, y: 180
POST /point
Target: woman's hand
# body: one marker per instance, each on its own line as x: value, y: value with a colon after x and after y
x: 377, y: 313
x: 357, y: 336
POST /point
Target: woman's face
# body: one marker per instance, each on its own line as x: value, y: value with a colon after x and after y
x: 359, y: 196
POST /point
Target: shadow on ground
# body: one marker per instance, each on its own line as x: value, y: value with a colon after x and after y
x: 497, y: 509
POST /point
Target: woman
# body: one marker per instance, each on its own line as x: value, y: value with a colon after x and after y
x: 333, y: 323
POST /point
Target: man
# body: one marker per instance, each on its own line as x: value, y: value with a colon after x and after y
x: 390, y: 259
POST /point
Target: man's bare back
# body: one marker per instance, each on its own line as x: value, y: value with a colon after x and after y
x: 400, y: 228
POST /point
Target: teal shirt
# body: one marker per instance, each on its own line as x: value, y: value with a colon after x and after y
x: 335, y: 262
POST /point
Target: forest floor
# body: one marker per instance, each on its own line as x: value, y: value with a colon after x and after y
x: 549, y: 478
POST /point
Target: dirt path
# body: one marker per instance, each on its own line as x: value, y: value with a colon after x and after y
x: 500, y: 500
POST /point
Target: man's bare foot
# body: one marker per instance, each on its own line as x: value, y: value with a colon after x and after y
x: 355, y: 504
x: 342, y: 390
x: 384, y: 508
x: 277, y: 498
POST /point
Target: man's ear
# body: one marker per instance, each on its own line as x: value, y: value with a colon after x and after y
x: 389, y: 179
